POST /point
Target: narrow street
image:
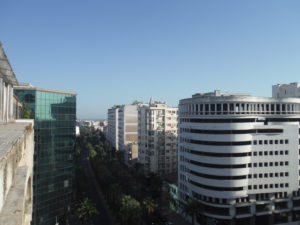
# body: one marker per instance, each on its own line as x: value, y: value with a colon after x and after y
x: 94, y: 193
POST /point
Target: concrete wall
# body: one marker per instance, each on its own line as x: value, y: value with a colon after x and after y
x: 16, y: 163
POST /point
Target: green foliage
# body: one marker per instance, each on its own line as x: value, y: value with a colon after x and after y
x: 192, y: 208
x: 130, y: 210
x: 26, y: 112
x: 91, y: 151
x: 86, y: 210
x: 149, y: 206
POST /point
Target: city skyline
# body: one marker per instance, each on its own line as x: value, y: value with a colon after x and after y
x: 117, y: 52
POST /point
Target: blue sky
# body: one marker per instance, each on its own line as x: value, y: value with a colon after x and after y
x: 117, y: 51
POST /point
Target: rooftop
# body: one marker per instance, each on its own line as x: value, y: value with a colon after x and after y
x: 6, y: 71
x: 27, y: 86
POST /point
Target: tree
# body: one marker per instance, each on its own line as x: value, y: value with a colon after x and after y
x: 130, y: 211
x: 26, y: 112
x: 91, y: 150
x: 86, y: 210
x: 149, y: 207
x: 192, y: 208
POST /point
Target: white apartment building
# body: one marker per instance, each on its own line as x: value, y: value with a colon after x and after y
x: 157, y: 138
x: 112, y: 127
x: 291, y: 90
x: 239, y: 156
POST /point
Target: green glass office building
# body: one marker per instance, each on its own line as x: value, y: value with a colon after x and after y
x: 54, y: 113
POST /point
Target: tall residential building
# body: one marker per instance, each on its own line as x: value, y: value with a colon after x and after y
x: 157, y: 138
x: 112, y: 127
x: 291, y: 90
x: 239, y: 156
x: 127, y: 130
x: 16, y: 152
x: 54, y: 114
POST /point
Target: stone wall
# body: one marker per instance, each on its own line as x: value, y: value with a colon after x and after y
x: 16, y: 164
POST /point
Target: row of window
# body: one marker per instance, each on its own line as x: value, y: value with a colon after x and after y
x: 238, y: 108
x: 249, y: 131
x: 239, y: 120
x: 266, y: 175
x: 244, y: 154
x: 213, y: 188
x: 267, y: 186
x: 216, y: 143
x: 266, y: 164
x: 270, y: 142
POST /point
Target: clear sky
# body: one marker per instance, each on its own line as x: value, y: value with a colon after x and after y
x: 117, y: 51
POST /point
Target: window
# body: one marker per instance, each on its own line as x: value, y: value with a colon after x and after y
x: 255, y: 186
x: 271, y: 153
x: 265, y: 164
x: 281, y: 174
x: 265, y: 153
x: 276, y: 163
x: 286, y: 163
x: 260, y: 153
x: 260, y: 164
x: 254, y: 142
x: 286, y: 141
x: 281, y: 141
x: 281, y: 152
x: 271, y: 174
x: 286, y: 185
x: 281, y: 163
x: 276, y: 142
x: 276, y: 185
x: 255, y: 175
x: 286, y: 174
x: 286, y: 152
x: 255, y: 153
x: 266, y: 175
x: 271, y: 142
x: 276, y: 174
x: 255, y: 164
x: 276, y: 152
x: 250, y: 176
x: 271, y: 163
x: 266, y: 186
x: 281, y: 185
x: 260, y: 142
x: 265, y: 142
x: 271, y: 185
x: 260, y: 186
x: 250, y: 187
x: 250, y: 165
x: 260, y: 175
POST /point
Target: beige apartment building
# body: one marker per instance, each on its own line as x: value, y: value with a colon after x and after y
x: 157, y: 138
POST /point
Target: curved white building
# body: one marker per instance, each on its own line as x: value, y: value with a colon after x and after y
x: 239, y: 156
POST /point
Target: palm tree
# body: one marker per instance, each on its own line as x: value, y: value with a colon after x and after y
x: 192, y: 208
x: 149, y: 206
x: 130, y: 211
x: 86, y: 210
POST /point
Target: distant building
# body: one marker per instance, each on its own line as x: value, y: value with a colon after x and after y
x: 113, y: 126
x: 239, y: 157
x: 157, y: 138
x: 16, y: 152
x: 291, y: 90
x: 54, y: 114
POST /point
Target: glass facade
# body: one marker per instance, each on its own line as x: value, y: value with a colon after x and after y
x: 54, y: 114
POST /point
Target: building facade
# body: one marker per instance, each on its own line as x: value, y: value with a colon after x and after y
x: 157, y: 138
x: 239, y: 156
x: 54, y: 113
x: 112, y: 127
x: 291, y: 90
x: 16, y: 152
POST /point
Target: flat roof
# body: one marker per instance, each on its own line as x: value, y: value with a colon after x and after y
x: 43, y: 89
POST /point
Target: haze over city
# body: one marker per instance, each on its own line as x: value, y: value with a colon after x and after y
x: 115, y: 52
